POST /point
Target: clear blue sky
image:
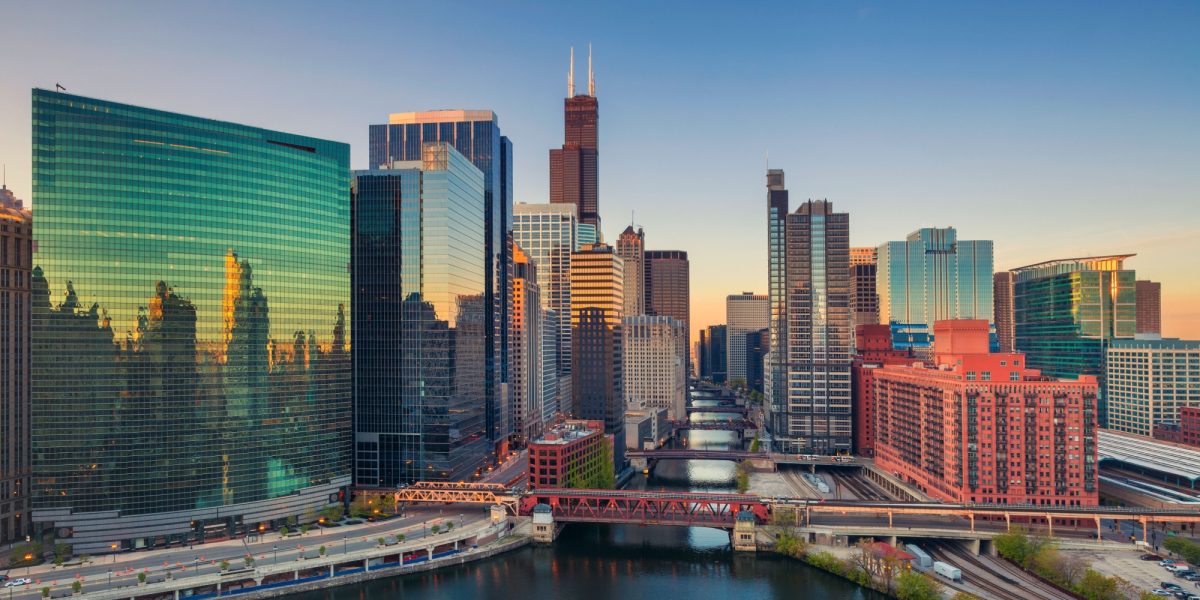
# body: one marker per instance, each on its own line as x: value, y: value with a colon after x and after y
x: 1056, y: 129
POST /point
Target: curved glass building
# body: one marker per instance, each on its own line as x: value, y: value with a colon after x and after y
x: 191, y: 355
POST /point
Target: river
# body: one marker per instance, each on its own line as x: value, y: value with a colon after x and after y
x: 626, y: 562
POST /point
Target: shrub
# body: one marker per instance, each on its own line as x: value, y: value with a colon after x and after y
x: 913, y: 585
x: 76, y: 586
x: 283, y: 531
x: 321, y: 550
x: 381, y: 541
x: 1189, y: 550
x: 436, y: 529
x: 399, y: 537
x: 249, y: 560
x: 224, y: 565
x: 142, y: 577
x: 45, y: 592
x: 449, y: 525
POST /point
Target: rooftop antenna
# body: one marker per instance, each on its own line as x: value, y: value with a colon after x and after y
x: 59, y: 87
x: 571, y: 75
x: 591, y: 77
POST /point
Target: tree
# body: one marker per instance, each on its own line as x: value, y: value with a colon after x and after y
x: 790, y: 545
x: 436, y: 529
x: 283, y: 531
x: 249, y: 560
x: 381, y: 541
x: 754, y: 444
x: 1095, y: 586
x: 913, y: 585
x: 76, y: 586
x: 321, y: 550
x: 142, y: 577
x: 742, y: 478
x: 399, y: 538
x: 1189, y: 550
x: 449, y: 525
x: 45, y: 592
x: 224, y: 565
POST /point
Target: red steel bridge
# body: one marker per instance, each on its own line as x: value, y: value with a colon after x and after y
x: 645, y: 508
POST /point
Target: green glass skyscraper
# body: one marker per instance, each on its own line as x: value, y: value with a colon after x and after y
x: 1066, y: 312
x: 191, y: 367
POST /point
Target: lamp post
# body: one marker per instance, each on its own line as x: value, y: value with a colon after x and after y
x: 344, y: 551
x: 275, y: 550
x: 28, y: 562
x: 110, y: 578
x: 113, y: 547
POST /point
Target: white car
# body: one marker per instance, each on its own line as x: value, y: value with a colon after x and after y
x: 20, y: 581
x: 1160, y: 592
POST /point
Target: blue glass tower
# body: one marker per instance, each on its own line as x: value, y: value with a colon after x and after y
x: 476, y: 135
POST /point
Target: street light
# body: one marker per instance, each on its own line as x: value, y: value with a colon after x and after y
x: 110, y: 578
x: 344, y: 545
x: 113, y: 547
x: 28, y: 562
x: 275, y: 549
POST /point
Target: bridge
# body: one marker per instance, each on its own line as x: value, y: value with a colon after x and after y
x: 687, y: 509
x: 445, y: 492
x: 722, y: 409
x: 669, y: 453
x: 722, y: 425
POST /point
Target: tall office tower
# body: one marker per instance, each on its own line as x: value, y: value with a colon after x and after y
x: 1003, y: 283
x: 655, y: 365
x: 586, y: 233
x: 666, y: 286
x: 526, y: 392
x: 817, y: 416
x: 574, y: 178
x: 718, y: 354
x: 551, y: 380
x: 419, y: 282
x: 863, y: 298
x: 758, y: 344
x: 208, y: 386
x: 476, y: 135
x: 931, y: 276
x: 16, y: 263
x: 703, y: 363
x: 597, y: 367
x: 744, y: 313
x: 777, y: 208
x: 630, y: 247
x: 1149, y: 381
x: 1066, y: 312
x: 873, y: 349
x: 546, y: 232
x: 1149, y: 306
x: 964, y: 429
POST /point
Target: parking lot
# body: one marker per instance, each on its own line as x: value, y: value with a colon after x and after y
x: 1145, y: 574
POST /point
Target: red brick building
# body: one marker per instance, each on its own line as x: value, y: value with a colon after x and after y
x: 873, y: 349
x: 980, y: 427
x: 572, y: 448
x: 1186, y: 431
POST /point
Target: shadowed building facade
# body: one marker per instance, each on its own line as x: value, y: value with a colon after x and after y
x: 1149, y: 307
x: 16, y: 254
x: 666, y: 285
x: 195, y: 274
x: 419, y: 303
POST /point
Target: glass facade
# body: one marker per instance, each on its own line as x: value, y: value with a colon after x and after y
x: 777, y: 208
x: 419, y: 301
x: 933, y: 276
x: 190, y: 348
x: 1065, y: 313
x: 476, y: 135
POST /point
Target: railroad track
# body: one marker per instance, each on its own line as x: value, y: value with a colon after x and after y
x: 975, y: 578
x: 1015, y: 584
x: 861, y: 489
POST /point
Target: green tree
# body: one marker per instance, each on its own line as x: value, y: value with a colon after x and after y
x: 1189, y: 550
x: 283, y: 531
x: 913, y: 585
x: 436, y: 529
x: 45, y: 592
x: 1095, y: 586
x: 742, y: 478
x: 76, y: 586
x: 754, y: 445
x: 321, y: 550
x: 142, y: 577
x: 224, y: 565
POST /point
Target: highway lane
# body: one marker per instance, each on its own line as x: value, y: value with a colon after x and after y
x: 206, y: 558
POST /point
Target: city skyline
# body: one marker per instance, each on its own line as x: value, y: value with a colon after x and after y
x: 1074, y: 118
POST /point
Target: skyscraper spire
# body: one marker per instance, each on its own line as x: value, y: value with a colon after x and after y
x: 591, y: 77
x: 571, y: 75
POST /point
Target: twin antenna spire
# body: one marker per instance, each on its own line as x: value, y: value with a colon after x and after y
x: 571, y: 75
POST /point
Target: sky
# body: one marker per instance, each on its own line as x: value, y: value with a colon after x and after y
x: 1056, y: 129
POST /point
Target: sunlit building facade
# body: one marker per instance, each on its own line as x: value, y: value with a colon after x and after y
x: 863, y: 297
x: 744, y: 312
x: 597, y: 338
x: 655, y: 365
x: 1149, y: 382
x: 526, y: 383
x: 666, y: 285
x: 631, y: 247
x: 195, y: 274
x: 1066, y: 312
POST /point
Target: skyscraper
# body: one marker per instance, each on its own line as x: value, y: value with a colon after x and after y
x: 817, y: 416
x: 758, y: 344
x: 419, y: 243
x: 777, y: 208
x: 714, y: 353
x: 655, y: 365
x: 863, y: 298
x: 574, y: 178
x: 931, y: 276
x: 1149, y: 307
x: 744, y: 313
x: 1066, y: 312
x: 16, y: 256
x: 209, y: 387
x: 526, y: 383
x: 1002, y: 309
x: 666, y: 286
x: 476, y: 135
x: 631, y: 245
x: 597, y: 367
x: 546, y: 232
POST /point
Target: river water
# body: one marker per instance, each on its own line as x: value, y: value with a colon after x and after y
x: 626, y: 562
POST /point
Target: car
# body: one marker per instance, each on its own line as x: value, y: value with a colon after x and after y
x: 1184, y: 573
x: 1192, y: 577
x: 1166, y: 562
x: 1167, y: 585
x: 1160, y: 592
x: 1150, y: 557
x: 18, y: 582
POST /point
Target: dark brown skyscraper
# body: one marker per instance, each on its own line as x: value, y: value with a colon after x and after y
x: 1149, y: 306
x: 16, y: 254
x: 1003, y: 283
x: 666, y: 287
x: 574, y: 178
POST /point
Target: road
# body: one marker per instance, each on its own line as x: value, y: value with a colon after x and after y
x: 120, y: 570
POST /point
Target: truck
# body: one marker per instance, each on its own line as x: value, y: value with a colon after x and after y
x: 947, y: 570
x: 921, y: 560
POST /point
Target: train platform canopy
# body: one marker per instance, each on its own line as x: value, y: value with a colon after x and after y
x: 1176, y: 461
